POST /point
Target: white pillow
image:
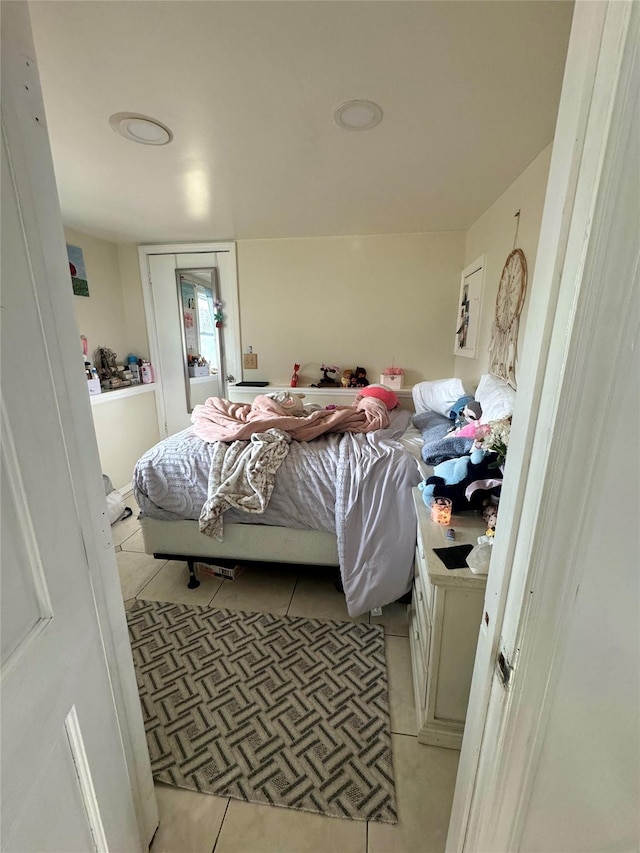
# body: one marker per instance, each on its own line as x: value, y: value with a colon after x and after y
x: 496, y: 397
x: 439, y: 395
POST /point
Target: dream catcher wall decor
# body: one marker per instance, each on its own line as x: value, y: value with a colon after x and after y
x: 503, y: 349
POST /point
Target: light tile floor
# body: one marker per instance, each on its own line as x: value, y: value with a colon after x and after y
x: 191, y: 822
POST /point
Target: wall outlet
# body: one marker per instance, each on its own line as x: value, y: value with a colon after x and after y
x: 250, y: 361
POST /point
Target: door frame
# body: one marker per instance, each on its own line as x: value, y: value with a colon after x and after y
x: 228, y: 283
x: 526, y: 595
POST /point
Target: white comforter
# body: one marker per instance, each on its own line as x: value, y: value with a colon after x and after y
x: 375, y: 520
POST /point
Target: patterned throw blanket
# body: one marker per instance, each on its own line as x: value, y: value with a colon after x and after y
x: 221, y: 420
x: 242, y: 475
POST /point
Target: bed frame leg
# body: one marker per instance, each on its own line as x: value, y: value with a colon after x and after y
x: 194, y: 583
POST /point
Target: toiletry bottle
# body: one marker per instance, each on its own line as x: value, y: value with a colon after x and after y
x: 147, y: 373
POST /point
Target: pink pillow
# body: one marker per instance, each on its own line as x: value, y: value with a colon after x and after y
x: 388, y: 397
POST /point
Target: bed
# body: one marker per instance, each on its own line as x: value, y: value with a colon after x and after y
x: 341, y: 500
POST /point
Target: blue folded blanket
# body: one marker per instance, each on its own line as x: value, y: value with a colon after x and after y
x: 438, y: 445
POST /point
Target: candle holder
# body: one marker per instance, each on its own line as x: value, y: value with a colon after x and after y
x: 441, y: 511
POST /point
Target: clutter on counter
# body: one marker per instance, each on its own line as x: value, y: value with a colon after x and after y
x: 107, y: 375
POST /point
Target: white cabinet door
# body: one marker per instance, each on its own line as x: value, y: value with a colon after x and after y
x: 65, y: 781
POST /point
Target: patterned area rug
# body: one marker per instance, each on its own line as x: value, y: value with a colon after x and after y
x: 271, y: 709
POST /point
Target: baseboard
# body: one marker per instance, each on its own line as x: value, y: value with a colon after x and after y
x: 125, y: 490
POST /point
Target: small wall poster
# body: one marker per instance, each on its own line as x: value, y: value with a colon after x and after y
x: 78, y: 271
x: 469, y: 307
x: 189, y: 317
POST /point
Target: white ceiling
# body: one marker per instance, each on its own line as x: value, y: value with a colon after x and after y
x: 469, y: 92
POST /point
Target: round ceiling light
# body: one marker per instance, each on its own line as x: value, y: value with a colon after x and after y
x: 357, y: 115
x: 139, y: 128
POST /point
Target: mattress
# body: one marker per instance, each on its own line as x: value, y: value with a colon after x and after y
x: 170, y: 483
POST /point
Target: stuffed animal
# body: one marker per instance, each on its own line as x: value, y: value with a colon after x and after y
x: 455, y: 412
x: 358, y: 379
x: 388, y: 397
x: 449, y: 472
x: 472, y: 412
x: 465, y: 411
x: 490, y: 515
x: 452, y: 478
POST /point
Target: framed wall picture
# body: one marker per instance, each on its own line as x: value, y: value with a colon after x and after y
x: 77, y: 270
x: 469, y: 307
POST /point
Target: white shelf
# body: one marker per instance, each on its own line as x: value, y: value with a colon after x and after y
x: 309, y: 391
x: 121, y: 393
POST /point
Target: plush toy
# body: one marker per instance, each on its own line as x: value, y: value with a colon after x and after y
x: 455, y: 412
x: 490, y: 515
x: 465, y: 411
x: 388, y: 397
x: 473, y: 471
x: 472, y: 412
x: 449, y: 472
x: 358, y: 378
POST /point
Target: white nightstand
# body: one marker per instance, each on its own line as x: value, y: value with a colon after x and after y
x: 444, y: 618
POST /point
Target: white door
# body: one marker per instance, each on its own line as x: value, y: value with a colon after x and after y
x: 66, y: 784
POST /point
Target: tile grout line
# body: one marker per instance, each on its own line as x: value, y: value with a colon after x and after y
x: 210, y: 604
x: 155, y: 575
x: 293, y: 592
x: 224, y: 817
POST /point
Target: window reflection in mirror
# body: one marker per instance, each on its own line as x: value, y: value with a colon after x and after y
x: 201, y: 338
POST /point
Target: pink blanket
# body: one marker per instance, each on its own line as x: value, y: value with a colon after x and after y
x: 221, y: 420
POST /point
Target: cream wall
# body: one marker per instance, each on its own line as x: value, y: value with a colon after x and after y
x: 492, y: 235
x: 113, y: 313
x: 350, y: 301
x: 113, y: 316
x: 100, y: 316
x: 136, y: 340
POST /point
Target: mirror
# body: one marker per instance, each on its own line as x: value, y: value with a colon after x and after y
x: 198, y: 301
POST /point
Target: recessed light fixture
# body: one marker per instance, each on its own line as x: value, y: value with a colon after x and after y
x: 357, y: 115
x: 139, y: 128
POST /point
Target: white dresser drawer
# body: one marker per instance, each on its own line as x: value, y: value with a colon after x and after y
x: 421, y: 606
x: 419, y: 646
x: 426, y: 587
